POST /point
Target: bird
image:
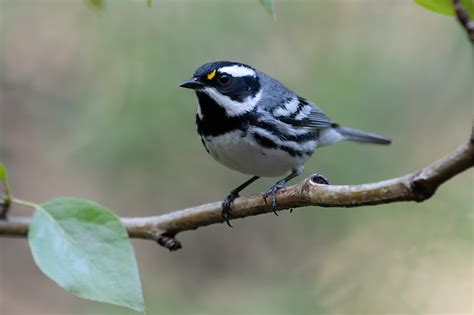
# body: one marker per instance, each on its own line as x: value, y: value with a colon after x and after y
x: 253, y: 124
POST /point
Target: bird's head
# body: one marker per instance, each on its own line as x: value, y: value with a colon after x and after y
x: 231, y: 85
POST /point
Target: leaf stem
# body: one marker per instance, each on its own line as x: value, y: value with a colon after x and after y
x: 24, y: 203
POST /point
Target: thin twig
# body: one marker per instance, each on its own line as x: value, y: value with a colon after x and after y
x: 417, y: 186
x: 464, y: 19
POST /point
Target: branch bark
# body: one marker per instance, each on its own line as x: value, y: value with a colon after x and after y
x: 464, y: 19
x: 417, y: 186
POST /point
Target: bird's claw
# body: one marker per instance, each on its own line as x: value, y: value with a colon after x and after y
x: 273, y: 191
x: 226, y: 209
x: 226, y: 215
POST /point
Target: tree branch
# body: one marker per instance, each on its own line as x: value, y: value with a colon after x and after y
x: 417, y: 186
x: 464, y: 19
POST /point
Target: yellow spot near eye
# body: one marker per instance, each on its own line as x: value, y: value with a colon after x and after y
x: 211, y: 75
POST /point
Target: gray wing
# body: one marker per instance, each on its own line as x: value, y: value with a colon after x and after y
x: 282, y: 104
x: 301, y: 113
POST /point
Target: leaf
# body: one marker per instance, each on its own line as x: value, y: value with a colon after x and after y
x: 446, y: 6
x: 148, y: 2
x: 3, y: 173
x: 269, y: 6
x: 84, y: 248
x: 97, y: 4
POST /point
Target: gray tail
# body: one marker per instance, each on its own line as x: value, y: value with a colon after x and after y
x: 361, y: 136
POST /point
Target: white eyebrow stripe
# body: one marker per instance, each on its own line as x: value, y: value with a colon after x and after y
x: 238, y: 71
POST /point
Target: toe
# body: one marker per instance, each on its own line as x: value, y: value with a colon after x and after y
x: 226, y: 217
x: 226, y: 211
x: 274, y: 201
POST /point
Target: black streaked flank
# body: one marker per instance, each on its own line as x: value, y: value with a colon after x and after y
x: 268, y: 143
x: 264, y: 141
x: 273, y: 128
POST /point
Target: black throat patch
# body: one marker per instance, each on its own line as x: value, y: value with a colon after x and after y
x: 214, y: 121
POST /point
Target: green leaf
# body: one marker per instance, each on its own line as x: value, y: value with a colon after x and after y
x: 269, y: 6
x: 148, y: 2
x: 446, y: 6
x: 3, y: 173
x: 84, y: 248
x: 97, y: 4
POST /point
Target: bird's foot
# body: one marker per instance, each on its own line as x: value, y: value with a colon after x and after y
x: 272, y: 191
x: 226, y: 209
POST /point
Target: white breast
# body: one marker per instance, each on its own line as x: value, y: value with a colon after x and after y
x: 240, y: 152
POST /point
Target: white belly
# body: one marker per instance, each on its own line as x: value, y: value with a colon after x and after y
x: 244, y: 155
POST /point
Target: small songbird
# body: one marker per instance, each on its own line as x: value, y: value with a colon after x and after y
x: 253, y: 124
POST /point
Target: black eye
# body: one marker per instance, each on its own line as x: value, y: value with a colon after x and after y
x: 224, y: 80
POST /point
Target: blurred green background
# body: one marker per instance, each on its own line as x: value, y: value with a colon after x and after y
x: 90, y: 107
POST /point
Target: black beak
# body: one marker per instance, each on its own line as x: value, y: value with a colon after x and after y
x: 193, y: 84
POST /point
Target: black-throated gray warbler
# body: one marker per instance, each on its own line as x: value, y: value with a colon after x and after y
x: 253, y: 124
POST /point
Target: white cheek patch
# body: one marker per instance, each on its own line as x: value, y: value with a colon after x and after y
x: 238, y: 71
x: 287, y: 109
x: 233, y: 108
